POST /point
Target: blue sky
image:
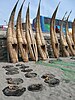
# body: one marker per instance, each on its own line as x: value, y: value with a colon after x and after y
x: 47, y: 8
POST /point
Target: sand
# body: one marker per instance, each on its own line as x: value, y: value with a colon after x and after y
x: 64, y: 91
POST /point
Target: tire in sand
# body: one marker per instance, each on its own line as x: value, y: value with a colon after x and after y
x: 35, y: 87
x: 12, y: 72
x: 15, y: 91
x: 15, y: 81
x: 45, y: 76
x: 52, y: 82
x: 8, y: 66
x: 30, y: 75
x: 11, y: 69
x: 26, y: 70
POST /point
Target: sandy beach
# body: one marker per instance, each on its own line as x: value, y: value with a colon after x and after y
x: 61, y: 69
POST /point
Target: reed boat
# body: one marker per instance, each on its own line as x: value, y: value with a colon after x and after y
x: 41, y: 44
x: 22, y: 43
x: 12, y: 45
x: 63, y: 42
x: 69, y: 39
x: 32, y: 47
x: 53, y: 35
x: 73, y: 31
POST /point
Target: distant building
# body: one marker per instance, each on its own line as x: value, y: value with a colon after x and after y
x: 45, y: 24
x: 3, y: 44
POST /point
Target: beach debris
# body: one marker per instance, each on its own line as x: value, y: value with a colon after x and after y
x: 45, y: 76
x: 52, y: 82
x: 26, y: 70
x: 73, y: 58
x: 12, y: 72
x: 15, y: 81
x: 66, y: 80
x: 52, y: 61
x: 35, y: 87
x: 30, y: 75
x: 13, y: 91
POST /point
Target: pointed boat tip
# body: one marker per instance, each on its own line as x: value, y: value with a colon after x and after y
x: 64, y: 15
x: 71, y: 11
x: 69, y: 15
x: 65, y: 12
x: 16, y: 4
x: 17, y: 1
x: 28, y: 4
x: 57, y: 6
x: 58, y: 3
x: 23, y: 2
x: 54, y: 14
x: 40, y: 1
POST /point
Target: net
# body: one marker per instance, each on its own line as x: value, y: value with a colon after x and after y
x: 66, y: 67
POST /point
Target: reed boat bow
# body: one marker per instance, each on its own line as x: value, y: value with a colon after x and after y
x: 63, y: 42
x: 32, y: 47
x: 41, y: 44
x: 69, y: 38
x: 22, y: 43
x: 53, y: 36
x: 73, y: 31
x: 12, y: 45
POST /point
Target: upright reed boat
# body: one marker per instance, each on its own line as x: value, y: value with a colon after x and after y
x: 12, y: 45
x: 22, y: 43
x: 53, y: 35
x: 63, y: 42
x: 41, y: 44
x: 73, y: 31
x: 32, y: 47
x: 69, y: 39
